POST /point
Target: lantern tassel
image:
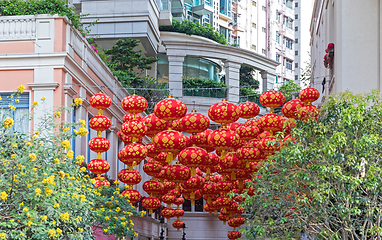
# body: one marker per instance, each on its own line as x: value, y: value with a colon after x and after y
x: 272, y: 110
x: 169, y: 157
x: 241, y: 186
x: 209, y: 199
x: 224, y: 222
x: 100, y: 112
x: 177, y: 229
x: 208, y: 171
x: 135, y: 140
x: 270, y: 133
x: 233, y: 176
x: 99, y: 134
x: 209, y: 213
x: 215, y: 212
x: 177, y: 218
x: 150, y: 211
x: 223, y: 154
x: 168, y: 220
x: 193, y: 171
x: 247, y: 164
x: 192, y: 202
x: 135, y: 117
x: 98, y: 155
x: 134, y: 164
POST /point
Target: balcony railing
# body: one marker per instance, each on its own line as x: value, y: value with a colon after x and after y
x: 210, y: 93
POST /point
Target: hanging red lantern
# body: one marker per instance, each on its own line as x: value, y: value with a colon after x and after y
x: 151, y: 150
x: 224, y: 139
x: 224, y: 112
x: 168, y: 186
x: 98, y: 166
x: 134, y: 128
x: 169, y: 199
x: 99, y: 123
x: 234, y: 235
x: 199, y: 172
x: 216, y: 178
x: 130, y: 117
x: 309, y: 95
x: 222, y: 171
x: 201, y: 140
x: 240, y: 211
x: 253, y: 121
x: 269, y: 145
x: 132, y: 195
x: 193, y: 184
x: 129, y: 176
x: 249, y: 110
x: 100, y: 101
x: 247, y: 132
x: 179, y: 200
x: 209, y: 190
x: 195, y: 122
x: 240, y: 176
x: 179, y: 213
x: 128, y: 139
x: 254, y: 166
x: 272, y: 99
x: 233, y: 126
x: 99, y: 144
x: 152, y: 187
x: 239, y: 199
x: 178, y: 224
x: 134, y: 104
x: 188, y: 195
x: 101, y: 182
x: 223, y: 187
x: 232, y: 209
x: 152, y: 167
x: 177, y: 125
x: 291, y: 108
x: 208, y: 209
x: 272, y: 123
x: 232, y: 164
x: 263, y: 135
x: 308, y: 112
x: 193, y: 157
x: 168, y: 213
x: 237, y: 221
x: 154, y: 125
x: 132, y: 154
x: 151, y: 203
x: 177, y: 194
x: 178, y: 173
x: 223, y: 218
x: 247, y: 154
x: 224, y: 202
x: 211, y: 162
x: 170, y: 109
x: 161, y: 158
x: 170, y: 141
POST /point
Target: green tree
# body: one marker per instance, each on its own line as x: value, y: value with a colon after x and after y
x: 327, y: 183
x: 289, y: 89
x: 248, y: 85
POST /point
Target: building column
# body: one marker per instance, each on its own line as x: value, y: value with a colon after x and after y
x: 112, y: 152
x: 175, y: 75
x: 232, y: 78
x: 268, y: 80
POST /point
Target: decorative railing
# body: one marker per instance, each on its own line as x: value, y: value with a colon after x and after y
x: 18, y: 27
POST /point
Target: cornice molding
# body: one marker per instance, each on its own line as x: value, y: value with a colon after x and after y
x: 43, y: 86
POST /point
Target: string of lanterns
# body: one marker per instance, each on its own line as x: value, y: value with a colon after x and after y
x: 208, y: 164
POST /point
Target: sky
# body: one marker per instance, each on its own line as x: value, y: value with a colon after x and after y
x: 306, y: 16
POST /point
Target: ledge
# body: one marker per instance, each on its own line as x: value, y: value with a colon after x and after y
x: 43, y: 86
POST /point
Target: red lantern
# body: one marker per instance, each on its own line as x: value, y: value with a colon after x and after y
x: 179, y: 200
x: 247, y: 154
x: 249, y: 110
x: 128, y: 139
x: 224, y: 112
x: 207, y: 208
x: 224, y: 139
x: 272, y: 123
x: 195, y: 122
x: 99, y: 123
x: 134, y: 104
x: 153, y: 187
x: 223, y: 218
x: 99, y: 144
x: 263, y: 135
x: 193, y: 184
x: 132, y: 154
x: 201, y: 140
x: 290, y: 108
x: 232, y: 164
x: 179, y: 213
x: 177, y: 195
x: 247, y: 132
x: 154, y: 125
x: 234, y: 235
x: 170, y: 141
x: 170, y: 109
x: 288, y: 124
x: 161, y: 158
x: 309, y: 95
x: 272, y: 99
x: 133, y: 195
x: 233, y: 126
x: 129, y: 176
x: 253, y: 121
x: 209, y: 190
x: 134, y: 128
x: 236, y: 222
x: 151, y: 150
x: 196, y: 195
x: 232, y: 209
x: 101, y: 181
x: 177, y: 125
x: 168, y: 186
x: 152, y: 168
x: 169, y: 199
x: 178, y: 224
x: 130, y: 117
x: 178, y: 173
x: 254, y: 166
x: 222, y: 171
x: 168, y: 213
x: 224, y: 202
x: 100, y: 101
x: 269, y: 145
x: 150, y: 203
x: 308, y: 112
x: 193, y: 157
x: 223, y: 187
x: 98, y: 166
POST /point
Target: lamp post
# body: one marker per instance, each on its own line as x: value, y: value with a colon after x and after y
x: 184, y: 233
x: 162, y: 228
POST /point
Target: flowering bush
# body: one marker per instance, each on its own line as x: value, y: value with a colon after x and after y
x: 329, y: 56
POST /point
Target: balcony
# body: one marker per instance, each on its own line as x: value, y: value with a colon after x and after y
x: 202, y: 7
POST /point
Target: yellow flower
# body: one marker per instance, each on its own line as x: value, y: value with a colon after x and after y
x: 82, y: 122
x: 59, y: 230
x: 83, y: 169
x: 80, y: 229
x: 34, y: 137
x: 77, y: 101
x: 107, y: 218
x: 0, y: 98
x: 82, y: 131
x: 44, y: 218
x: 66, y: 129
x: 3, y: 195
x: 41, y: 143
x: 105, y: 230
x: 56, y: 161
x: 64, y: 216
x: 29, y: 223
x: 56, y: 205
x: 8, y: 122
x: 12, y: 107
x: 3, y: 235
x: 70, y: 154
x: 14, y: 145
x: 118, y: 209
x: 43, y: 98
x: 135, y: 234
x: 52, y: 232
x: 123, y: 224
x: 28, y: 143
x: 25, y: 209
x: 21, y: 204
x: 66, y: 144
x: 21, y: 88
x: 48, y: 191
x: 57, y: 114
x: 80, y: 159
x: 143, y: 213
x: 54, y: 222
x: 17, y: 100
x: 62, y: 174
x: 13, y: 156
x: 37, y: 191
x: 32, y: 156
x: 35, y: 103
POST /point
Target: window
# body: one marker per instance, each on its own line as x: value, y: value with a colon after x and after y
x: 263, y: 51
x: 263, y: 29
x: 278, y: 37
x: 296, y: 4
x: 296, y: 40
x: 278, y: 16
x: 289, y: 4
x: 296, y: 53
x: 288, y: 64
x: 20, y: 115
x: 296, y: 28
x: 296, y: 77
x: 254, y: 47
x: 264, y: 8
x: 295, y: 65
x: 289, y: 22
x: 296, y: 16
x: 254, y: 3
x: 288, y: 43
x: 254, y: 25
x: 277, y: 58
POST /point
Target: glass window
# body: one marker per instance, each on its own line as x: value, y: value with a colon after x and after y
x: 289, y: 4
x: 288, y: 43
x: 296, y: 40
x: 199, y: 205
x: 263, y: 51
x: 296, y: 65
x: 254, y: 47
x: 296, y: 28
x: 296, y: 16
x: 277, y: 58
x: 296, y: 53
x: 264, y: 8
x: 278, y: 37
x: 254, y: 25
x: 288, y: 64
x: 187, y: 205
x: 296, y: 4
x: 263, y: 29
x: 296, y: 77
x: 254, y: 3
x: 289, y: 23
x: 20, y: 115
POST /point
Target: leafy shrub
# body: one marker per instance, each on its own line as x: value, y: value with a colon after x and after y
x: 199, y: 87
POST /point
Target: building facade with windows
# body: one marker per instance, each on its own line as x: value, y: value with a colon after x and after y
x: 356, y: 57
